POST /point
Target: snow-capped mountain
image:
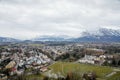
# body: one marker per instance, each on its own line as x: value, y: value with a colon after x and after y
x: 109, y: 32
x: 6, y: 39
x: 103, y: 34
x: 51, y: 38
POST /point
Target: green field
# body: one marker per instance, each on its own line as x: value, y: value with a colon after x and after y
x: 115, y: 77
x: 101, y: 71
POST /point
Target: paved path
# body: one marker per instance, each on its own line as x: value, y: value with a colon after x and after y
x: 112, y: 73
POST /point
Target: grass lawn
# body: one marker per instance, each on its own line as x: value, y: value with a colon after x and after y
x: 35, y: 77
x: 115, y: 76
x: 36, y: 45
x: 65, y: 67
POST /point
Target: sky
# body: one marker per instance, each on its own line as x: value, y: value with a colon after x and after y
x: 26, y: 19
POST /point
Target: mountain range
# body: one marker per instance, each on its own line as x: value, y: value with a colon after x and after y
x: 100, y: 35
x: 7, y: 39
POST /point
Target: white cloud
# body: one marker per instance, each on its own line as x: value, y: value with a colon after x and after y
x: 25, y: 19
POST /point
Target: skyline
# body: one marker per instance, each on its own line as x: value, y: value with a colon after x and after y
x: 26, y: 19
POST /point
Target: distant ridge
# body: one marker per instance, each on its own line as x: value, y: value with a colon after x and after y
x: 101, y: 35
x: 7, y: 39
x: 51, y: 38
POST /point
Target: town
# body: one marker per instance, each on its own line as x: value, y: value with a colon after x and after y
x: 28, y: 59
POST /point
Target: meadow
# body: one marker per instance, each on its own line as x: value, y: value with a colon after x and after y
x: 101, y: 71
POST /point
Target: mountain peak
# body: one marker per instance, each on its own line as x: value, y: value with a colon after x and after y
x: 103, y: 34
x: 7, y: 39
x: 108, y: 31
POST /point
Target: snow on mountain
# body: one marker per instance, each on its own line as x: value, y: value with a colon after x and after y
x: 103, y: 34
x: 51, y: 38
x: 6, y: 39
x: 109, y: 31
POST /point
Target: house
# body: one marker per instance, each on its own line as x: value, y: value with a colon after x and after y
x: 43, y: 69
x: 88, y: 59
x: 94, y: 51
x: 92, y: 59
x: 12, y: 71
x: 10, y: 65
x: 3, y: 77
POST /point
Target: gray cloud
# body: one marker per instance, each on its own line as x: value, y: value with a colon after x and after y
x: 25, y: 19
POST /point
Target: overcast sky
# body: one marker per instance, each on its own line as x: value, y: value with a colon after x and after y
x: 25, y: 19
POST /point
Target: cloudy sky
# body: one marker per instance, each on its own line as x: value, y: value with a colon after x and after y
x: 25, y: 19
